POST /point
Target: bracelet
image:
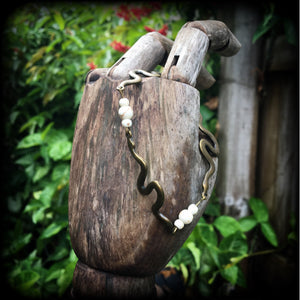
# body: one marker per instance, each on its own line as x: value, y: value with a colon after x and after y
x: 208, y: 147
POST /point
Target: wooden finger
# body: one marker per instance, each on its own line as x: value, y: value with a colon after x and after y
x: 186, y: 57
x: 221, y: 39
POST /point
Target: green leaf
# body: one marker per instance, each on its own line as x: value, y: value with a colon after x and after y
x: 30, y: 171
x: 17, y: 244
x: 214, y: 254
x: 53, y: 274
x: 237, y: 259
x: 76, y: 40
x: 227, y: 225
x: 54, y: 136
x: 59, y: 254
x: 182, y: 256
x: 37, y: 194
x: 236, y: 243
x: 14, y: 204
x: 40, y: 172
x: 269, y: 233
x: 59, y: 20
x: 36, y: 120
x: 36, y: 57
x: 50, y: 96
x: 212, y: 279
x: 72, y: 256
x: 31, y: 140
x: 25, y: 160
x: 65, y: 280
x: 41, y: 22
x: 269, y: 21
x: 259, y: 209
x: 60, y: 149
x: 207, y: 234
x: 25, y: 280
x: 292, y: 237
x: 77, y: 98
x: 290, y: 32
x: 61, y: 172
x: 230, y: 274
x: 247, y: 223
x: 205, y: 268
x: 46, y: 130
x: 53, y: 229
x: 52, y: 45
x: 13, y: 116
x: 196, y: 252
x: 38, y: 215
x: 185, y: 272
x: 206, y: 113
x: 47, y: 194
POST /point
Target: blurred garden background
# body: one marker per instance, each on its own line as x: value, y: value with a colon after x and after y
x: 47, y: 50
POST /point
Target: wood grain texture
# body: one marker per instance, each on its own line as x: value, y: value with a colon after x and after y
x: 145, y: 54
x: 112, y: 227
x: 90, y: 283
x: 278, y: 137
x: 204, y: 80
x: 238, y: 117
x: 220, y: 37
x: 186, y: 57
x: 278, y: 150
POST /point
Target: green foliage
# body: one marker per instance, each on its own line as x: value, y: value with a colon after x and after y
x: 275, y: 22
x: 261, y: 215
x: 268, y: 22
x: 209, y: 115
x: 219, y: 243
x: 45, y: 60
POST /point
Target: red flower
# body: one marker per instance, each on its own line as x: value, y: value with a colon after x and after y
x: 149, y: 29
x: 162, y: 31
x: 91, y: 65
x: 123, y: 12
x: 127, y: 13
x: 139, y: 12
x: 119, y: 46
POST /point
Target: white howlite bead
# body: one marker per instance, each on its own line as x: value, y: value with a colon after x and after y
x: 179, y: 224
x: 124, y: 102
x: 125, y: 112
x: 186, y: 216
x: 193, y: 209
x: 126, y: 123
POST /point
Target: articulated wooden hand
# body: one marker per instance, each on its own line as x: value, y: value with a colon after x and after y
x: 115, y: 228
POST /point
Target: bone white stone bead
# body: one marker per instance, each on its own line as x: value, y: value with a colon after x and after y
x: 185, y: 216
x: 193, y: 209
x: 126, y: 123
x: 179, y: 224
x: 125, y: 112
x: 124, y: 102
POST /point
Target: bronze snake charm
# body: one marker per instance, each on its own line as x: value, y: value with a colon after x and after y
x: 213, y: 147
x: 153, y: 185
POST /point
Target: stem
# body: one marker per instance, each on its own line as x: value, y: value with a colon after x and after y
x: 263, y: 252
